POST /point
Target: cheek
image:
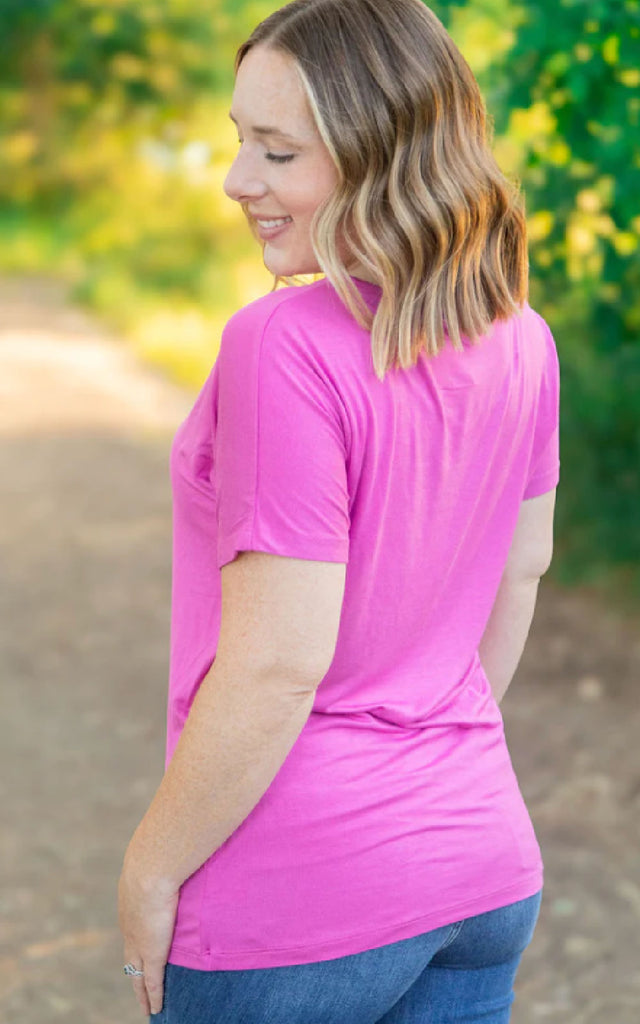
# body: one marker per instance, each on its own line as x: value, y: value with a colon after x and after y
x: 311, y: 188
x: 306, y: 205
x: 303, y: 192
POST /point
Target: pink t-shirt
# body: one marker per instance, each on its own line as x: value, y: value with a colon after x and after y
x: 397, y: 809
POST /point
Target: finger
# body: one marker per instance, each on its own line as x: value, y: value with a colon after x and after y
x: 140, y: 991
x: 154, y: 980
x: 131, y: 956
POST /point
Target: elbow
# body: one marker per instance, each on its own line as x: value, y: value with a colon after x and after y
x: 531, y: 572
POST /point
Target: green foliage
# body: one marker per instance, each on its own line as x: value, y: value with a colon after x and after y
x: 118, y: 142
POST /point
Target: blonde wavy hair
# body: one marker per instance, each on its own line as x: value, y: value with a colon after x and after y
x: 420, y: 200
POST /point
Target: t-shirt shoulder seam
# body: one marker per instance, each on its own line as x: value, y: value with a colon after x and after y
x: 283, y: 297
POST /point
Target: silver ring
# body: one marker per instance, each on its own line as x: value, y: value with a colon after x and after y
x: 132, y: 971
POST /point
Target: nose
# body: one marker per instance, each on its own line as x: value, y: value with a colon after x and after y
x: 242, y: 182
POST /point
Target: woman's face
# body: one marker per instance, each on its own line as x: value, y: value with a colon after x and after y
x: 283, y: 169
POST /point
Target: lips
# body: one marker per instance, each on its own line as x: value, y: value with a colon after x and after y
x: 273, y: 230
x: 274, y: 223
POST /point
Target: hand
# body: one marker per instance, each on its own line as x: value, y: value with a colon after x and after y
x: 146, y: 914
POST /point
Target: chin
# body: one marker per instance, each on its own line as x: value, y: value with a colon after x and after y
x: 291, y: 268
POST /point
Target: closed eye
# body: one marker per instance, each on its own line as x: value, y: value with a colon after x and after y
x: 284, y: 159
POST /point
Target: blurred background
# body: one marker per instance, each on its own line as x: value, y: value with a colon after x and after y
x: 120, y: 261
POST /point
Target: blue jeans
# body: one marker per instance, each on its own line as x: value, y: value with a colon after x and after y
x: 461, y: 973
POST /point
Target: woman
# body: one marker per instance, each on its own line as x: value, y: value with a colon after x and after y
x: 363, y: 506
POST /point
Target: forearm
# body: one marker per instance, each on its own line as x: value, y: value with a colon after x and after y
x: 234, y: 742
x: 506, y: 632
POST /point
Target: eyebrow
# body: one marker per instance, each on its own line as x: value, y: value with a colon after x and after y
x: 265, y: 130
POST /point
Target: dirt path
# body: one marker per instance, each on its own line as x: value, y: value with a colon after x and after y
x: 85, y: 548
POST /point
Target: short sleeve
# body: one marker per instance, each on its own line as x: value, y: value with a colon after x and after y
x: 279, y: 452
x: 544, y: 466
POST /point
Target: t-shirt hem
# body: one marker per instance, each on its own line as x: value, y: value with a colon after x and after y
x: 541, y: 484
x: 360, y: 942
x: 319, y: 549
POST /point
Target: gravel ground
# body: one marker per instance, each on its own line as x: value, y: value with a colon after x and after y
x: 85, y: 548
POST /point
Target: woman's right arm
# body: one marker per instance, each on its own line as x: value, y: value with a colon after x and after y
x: 530, y: 554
